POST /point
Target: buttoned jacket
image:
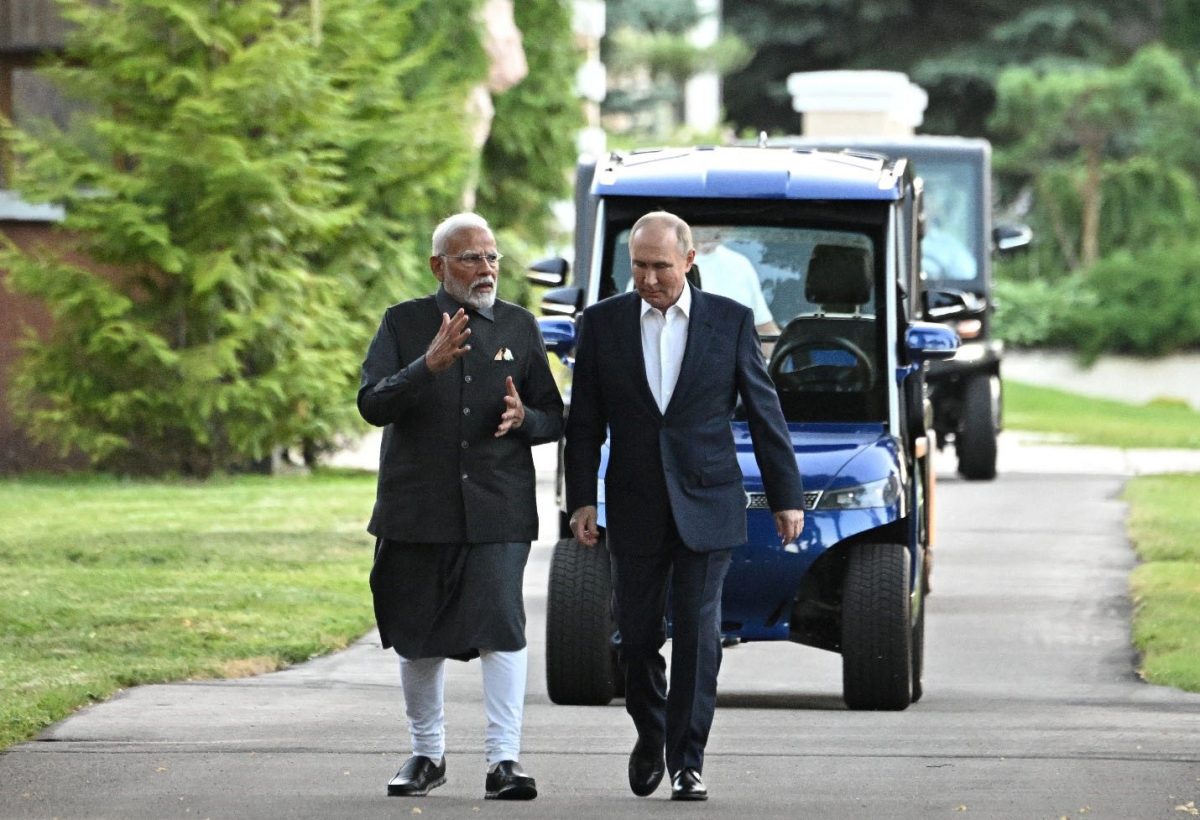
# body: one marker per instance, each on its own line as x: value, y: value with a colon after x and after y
x: 444, y: 477
x: 680, y: 465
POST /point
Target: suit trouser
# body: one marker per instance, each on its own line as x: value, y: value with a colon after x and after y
x: 423, y: 681
x: 679, y: 717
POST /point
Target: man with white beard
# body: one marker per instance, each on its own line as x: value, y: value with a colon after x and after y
x: 461, y: 385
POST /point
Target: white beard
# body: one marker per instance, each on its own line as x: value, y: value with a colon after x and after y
x: 465, y: 294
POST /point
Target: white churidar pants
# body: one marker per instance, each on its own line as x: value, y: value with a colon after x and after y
x: 423, y: 681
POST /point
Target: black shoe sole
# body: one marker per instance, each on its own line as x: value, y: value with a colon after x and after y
x: 686, y: 796
x: 407, y: 791
x: 518, y: 792
x: 646, y: 789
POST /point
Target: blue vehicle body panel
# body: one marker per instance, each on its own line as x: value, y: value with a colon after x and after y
x: 764, y: 574
x: 748, y: 173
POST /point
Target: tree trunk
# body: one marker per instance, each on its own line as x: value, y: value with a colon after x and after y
x: 1092, y: 197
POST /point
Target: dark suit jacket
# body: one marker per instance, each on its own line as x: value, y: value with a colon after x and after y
x: 443, y: 475
x: 681, y: 464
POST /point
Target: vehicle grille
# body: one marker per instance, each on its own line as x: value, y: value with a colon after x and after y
x: 758, y: 501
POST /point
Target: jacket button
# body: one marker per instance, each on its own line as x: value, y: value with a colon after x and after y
x: 467, y: 378
x: 466, y: 411
x: 464, y: 477
x: 465, y: 445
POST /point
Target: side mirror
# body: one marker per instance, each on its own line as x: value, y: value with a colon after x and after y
x: 1009, y: 238
x: 559, y: 335
x: 929, y: 340
x: 549, y: 272
x: 562, y: 301
x: 942, y: 305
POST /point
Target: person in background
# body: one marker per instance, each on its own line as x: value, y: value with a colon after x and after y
x: 726, y: 272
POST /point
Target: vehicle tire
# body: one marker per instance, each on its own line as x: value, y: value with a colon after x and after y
x: 580, y: 663
x: 918, y: 654
x: 975, y: 441
x: 877, y: 631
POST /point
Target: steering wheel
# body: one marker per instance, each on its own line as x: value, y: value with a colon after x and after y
x: 821, y: 376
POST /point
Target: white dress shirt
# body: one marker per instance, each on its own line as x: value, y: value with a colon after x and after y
x: 664, y: 338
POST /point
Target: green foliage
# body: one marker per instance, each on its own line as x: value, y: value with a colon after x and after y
x: 652, y: 15
x: 952, y: 48
x: 253, y: 199
x: 1163, y: 522
x: 1144, y: 303
x: 651, y: 56
x: 1030, y: 313
x: 530, y: 151
x: 146, y: 582
x: 1105, y: 153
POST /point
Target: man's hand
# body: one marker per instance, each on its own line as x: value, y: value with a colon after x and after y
x: 583, y: 524
x: 514, y: 411
x: 789, y: 523
x: 449, y: 345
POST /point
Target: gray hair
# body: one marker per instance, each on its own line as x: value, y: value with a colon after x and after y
x: 451, y: 225
x: 683, y: 233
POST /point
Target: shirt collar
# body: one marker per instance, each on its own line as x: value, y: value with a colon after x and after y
x: 684, y: 303
x: 448, y: 304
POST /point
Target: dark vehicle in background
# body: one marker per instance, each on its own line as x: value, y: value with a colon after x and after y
x: 959, y: 243
x: 830, y: 242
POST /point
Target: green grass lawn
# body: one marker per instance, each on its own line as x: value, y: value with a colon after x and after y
x: 1084, y: 420
x: 1164, y: 523
x: 107, y: 583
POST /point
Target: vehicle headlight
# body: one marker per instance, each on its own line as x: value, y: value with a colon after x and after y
x: 883, y: 493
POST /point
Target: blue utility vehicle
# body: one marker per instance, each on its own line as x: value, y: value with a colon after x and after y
x: 828, y: 243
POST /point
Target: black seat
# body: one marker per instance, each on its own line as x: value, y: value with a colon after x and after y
x: 839, y: 278
x: 824, y: 362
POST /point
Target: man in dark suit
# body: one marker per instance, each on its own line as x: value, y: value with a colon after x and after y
x: 658, y: 373
x: 461, y: 385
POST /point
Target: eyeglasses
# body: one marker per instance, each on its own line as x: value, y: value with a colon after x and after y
x: 473, y: 259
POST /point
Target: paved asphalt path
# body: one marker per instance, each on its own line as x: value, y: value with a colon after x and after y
x: 1031, y: 710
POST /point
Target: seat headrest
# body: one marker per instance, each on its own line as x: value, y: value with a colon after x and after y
x: 838, y: 275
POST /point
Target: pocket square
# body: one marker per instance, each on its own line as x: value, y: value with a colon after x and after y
x: 503, y: 355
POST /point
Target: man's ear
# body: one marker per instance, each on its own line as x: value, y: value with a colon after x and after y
x: 437, y: 265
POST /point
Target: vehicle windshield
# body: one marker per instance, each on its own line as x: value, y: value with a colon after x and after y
x: 813, y: 293
x: 951, y: 248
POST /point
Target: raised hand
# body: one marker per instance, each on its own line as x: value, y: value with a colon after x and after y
x: 514, y: 410
x: 449, y: 344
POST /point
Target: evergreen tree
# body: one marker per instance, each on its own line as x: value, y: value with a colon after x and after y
x: 256, y: 185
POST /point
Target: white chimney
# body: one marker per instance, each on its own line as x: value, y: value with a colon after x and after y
x: 857, y: 103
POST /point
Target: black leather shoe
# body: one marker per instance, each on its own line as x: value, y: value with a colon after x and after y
x: 509, y: 782
x: 646, y: 768
x: 687, y: 785
x: 417, y: 777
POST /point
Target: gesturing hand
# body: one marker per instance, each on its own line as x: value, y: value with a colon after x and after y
x: 514, y: 410
x: 448, y: 345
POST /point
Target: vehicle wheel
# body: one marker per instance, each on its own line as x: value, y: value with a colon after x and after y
x: 975, y: 441
x: 918, y: 654
x: 877, y: 657
x: 580, y: 665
